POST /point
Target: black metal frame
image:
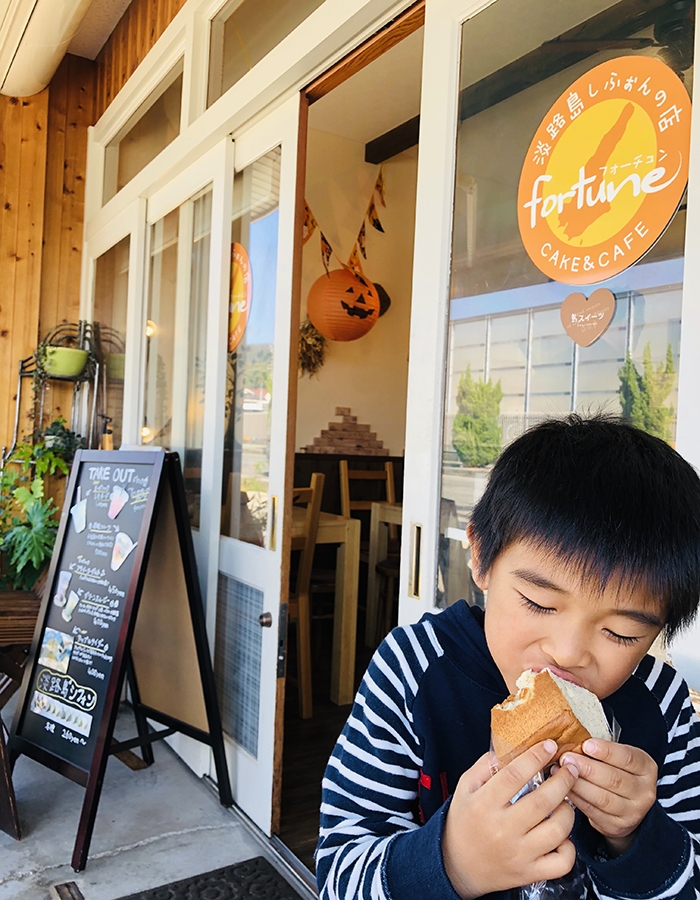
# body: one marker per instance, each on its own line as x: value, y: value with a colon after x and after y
x: 9, y: 820
x: 68, y: 334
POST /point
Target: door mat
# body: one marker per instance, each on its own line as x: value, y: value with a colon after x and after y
x: 254, y: 879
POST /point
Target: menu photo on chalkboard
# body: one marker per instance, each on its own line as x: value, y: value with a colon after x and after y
x: 85, y: 612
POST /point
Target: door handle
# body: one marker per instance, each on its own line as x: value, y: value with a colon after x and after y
x: 282, y: 641
x: 265, y: 619
x: 415, y: 561
x: 273, y: 524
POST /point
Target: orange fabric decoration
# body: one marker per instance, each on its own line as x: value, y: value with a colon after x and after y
x: 343, y: 305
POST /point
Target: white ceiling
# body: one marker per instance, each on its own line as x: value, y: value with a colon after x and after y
x: 99, y: 22
x: 384, y: 94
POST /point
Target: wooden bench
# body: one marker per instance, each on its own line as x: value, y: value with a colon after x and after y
x: 18, y: 615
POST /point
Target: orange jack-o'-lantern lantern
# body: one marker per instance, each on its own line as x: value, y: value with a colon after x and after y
x: 343, y: 305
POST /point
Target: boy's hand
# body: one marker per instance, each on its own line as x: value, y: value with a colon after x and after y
x: 617, y: 788
x: 491, y: 844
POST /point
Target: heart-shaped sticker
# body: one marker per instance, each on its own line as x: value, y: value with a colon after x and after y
x: 585, y: 319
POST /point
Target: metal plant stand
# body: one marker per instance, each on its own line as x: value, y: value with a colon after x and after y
x: 67, y: 334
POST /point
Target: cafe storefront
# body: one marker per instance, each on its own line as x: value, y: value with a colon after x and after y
x: 535, y: 192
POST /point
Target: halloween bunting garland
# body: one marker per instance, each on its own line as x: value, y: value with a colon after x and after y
x: 373, y: 217
x: 354, y: 261
x: 310, y: 224
x: 361, y: 240
x: 343, y: 304
x: 326, y: 251
x: 379, y: 187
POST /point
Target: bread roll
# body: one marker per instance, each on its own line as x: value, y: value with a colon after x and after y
x: 546, y: 706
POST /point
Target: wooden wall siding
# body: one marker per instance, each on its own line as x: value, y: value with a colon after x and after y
x: 137, y: 31
x: 71, y: 111
x: 23, y: 134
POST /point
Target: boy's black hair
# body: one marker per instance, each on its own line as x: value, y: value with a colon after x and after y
x: 603, y: 496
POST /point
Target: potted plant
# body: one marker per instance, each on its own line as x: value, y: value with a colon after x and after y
x: 64, y: 353
x: 28, y: 523
x: 61, y: 441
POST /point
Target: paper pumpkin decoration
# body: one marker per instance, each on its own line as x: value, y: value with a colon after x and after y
x: 343, y: 305
x: 384, y: 299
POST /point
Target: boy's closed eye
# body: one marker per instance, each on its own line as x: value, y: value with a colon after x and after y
x: 538, y: 609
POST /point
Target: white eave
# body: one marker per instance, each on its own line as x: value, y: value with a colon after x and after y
x: 36, y: 34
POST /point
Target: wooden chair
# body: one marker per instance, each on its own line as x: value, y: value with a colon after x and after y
x: 387, y: 568
x: 348, y: 505
x: 299, y: 606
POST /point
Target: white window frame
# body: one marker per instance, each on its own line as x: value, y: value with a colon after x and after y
x: 130, y: 222
x: 324, y: 38
x: 686, y: 647
x: 321, y: 40
x: 112, y: 150
x: 430, y: 307
x: 328, y: 34
x: 152, y: 72
x: 215, y: 169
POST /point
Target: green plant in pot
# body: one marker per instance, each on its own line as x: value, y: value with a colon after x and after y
x: 61, y: 441
x: 28, y: 523
x: 57, y: 361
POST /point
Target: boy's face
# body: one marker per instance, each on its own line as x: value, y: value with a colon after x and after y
x: 539, y: 614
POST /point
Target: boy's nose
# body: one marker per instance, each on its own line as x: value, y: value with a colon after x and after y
x: 568, y: 650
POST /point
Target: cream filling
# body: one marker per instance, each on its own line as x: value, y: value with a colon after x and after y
x: 584, y: 703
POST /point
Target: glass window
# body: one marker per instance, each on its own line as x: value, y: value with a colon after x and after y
x: 160, y: 331
x: 245, y: 31
x: 152, y: 127
x: 251, y: 337
x: 197, y: 352
x: 109, y: 317
x: 176, y: 326
x: 510, y: 363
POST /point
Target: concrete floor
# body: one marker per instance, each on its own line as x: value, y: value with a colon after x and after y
x: 153, y: 826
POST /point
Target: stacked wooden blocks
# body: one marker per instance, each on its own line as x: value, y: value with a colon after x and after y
x: 347, y: 438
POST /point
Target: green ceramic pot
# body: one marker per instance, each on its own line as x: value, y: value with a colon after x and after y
x: 115, y: 366
x: 64, y: 362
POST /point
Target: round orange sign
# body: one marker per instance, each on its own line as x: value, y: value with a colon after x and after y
x: 241, y: 295
x: 606, y: 170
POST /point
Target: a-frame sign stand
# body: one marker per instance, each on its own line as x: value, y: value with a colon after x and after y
x: 9, y: 820
x: 122, y: 600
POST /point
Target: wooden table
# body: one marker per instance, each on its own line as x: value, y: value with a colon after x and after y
x: 382, y: 514
x: 334, y: 529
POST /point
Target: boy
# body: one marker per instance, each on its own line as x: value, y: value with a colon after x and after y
x: 588, y: 542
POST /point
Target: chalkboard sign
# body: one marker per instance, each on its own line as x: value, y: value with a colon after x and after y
x: 118, y: 506
x: 104, y: 530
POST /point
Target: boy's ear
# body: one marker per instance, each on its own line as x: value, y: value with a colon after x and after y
x: 481, y: 580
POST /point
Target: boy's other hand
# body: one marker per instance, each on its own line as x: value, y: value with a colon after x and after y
x: 490, y: 844
x: 616, y: 789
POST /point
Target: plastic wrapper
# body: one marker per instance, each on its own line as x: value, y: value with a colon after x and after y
x: 576, y: 884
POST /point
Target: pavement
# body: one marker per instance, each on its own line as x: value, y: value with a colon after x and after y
x: 154, y: 826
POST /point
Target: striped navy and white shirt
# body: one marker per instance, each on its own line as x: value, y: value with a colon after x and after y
x: 422, y: 717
